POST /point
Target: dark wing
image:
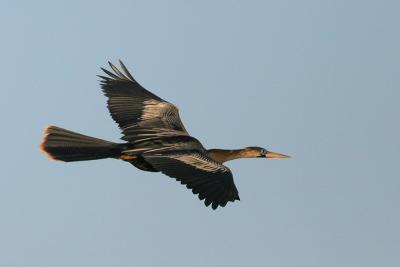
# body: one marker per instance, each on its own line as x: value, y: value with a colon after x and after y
x: 138, y: 112
x: 206, y: 177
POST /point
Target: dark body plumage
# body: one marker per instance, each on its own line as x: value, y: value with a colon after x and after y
x: 156, y: 141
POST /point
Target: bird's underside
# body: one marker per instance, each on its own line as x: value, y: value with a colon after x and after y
x: 156, y: 140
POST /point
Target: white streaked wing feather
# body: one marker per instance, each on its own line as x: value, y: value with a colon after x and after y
x: 200, y: 161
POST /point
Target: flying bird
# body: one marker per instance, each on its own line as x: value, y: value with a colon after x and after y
x: 155, y: 141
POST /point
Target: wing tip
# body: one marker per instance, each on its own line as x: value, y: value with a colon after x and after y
x: 117, y: 75
x: 215, y: 205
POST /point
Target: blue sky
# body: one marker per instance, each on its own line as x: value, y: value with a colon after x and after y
x: 318, y: 80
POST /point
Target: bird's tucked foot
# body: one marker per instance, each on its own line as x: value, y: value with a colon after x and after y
x: 127, y: 157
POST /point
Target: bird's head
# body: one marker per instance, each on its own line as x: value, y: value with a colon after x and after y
x: 259, y: 152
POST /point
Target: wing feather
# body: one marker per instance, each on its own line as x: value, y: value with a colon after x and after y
x: 125, y: 69
x: 135, y: 109
x: 206, y: 177
x: 154, y: 128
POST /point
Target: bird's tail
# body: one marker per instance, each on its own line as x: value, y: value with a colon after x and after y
x: 64, y: 145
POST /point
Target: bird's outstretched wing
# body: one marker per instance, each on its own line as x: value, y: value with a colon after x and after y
x: 138, y: 112
x: 206, y: 177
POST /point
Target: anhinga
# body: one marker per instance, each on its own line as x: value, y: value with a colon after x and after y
x: 156, y: 141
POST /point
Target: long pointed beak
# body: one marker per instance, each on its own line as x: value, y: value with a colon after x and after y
x: 276, y: 155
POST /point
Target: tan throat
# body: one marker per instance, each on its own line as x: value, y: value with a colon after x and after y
x: 222, y: 155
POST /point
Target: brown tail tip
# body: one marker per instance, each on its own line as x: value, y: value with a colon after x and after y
x: 42, y: 145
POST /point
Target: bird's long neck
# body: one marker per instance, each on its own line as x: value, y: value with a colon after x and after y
x: 223, y: 155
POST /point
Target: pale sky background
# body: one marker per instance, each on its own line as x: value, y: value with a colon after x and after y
x: 318, y: 80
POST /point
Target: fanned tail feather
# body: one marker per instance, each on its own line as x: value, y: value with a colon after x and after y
x: 61, y: 144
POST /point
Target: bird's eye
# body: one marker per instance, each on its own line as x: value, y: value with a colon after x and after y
x: 263, y: 151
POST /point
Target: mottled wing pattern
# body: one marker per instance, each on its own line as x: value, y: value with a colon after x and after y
x: 206, y: 177
x: 138, y: 112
